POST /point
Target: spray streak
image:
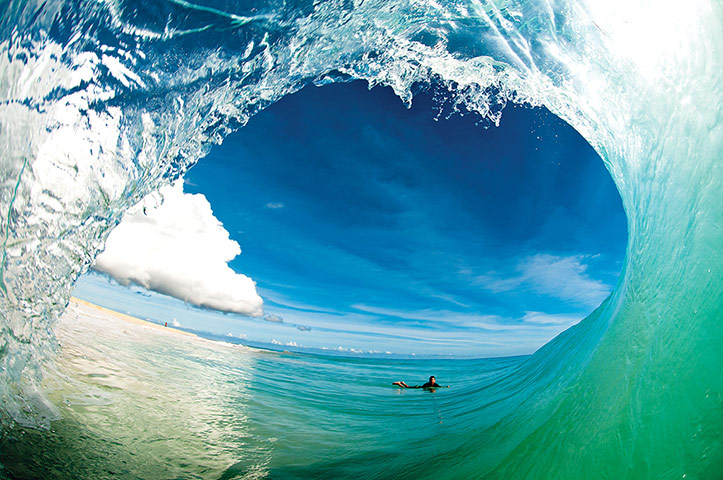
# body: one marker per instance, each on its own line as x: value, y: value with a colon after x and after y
x: 8, y: 222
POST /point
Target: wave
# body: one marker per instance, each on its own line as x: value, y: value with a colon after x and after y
x: 102, y: 103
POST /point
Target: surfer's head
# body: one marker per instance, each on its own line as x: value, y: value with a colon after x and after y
x: 432, y: 379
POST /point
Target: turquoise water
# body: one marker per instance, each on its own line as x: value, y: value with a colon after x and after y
x: 103, y: 103
x: 139, y: 402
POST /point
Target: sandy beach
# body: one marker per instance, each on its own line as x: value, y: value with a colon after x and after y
x: 83, y: 306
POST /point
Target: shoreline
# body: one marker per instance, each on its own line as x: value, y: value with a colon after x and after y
x: 128, y: 318
x: 263, y: 347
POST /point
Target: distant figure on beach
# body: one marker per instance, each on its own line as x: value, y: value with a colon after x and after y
x: 166, y: 324
x: 432, y: 383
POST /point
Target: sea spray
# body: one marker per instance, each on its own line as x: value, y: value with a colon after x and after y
x: 103, y: 103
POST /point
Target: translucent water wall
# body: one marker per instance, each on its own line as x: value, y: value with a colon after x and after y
x: 102, y: 103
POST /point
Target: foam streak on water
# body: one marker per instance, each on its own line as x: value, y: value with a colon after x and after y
x: 102, y: 103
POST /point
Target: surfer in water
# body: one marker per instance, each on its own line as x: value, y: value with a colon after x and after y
x: 431, y: 384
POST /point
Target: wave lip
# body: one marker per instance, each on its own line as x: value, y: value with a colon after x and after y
x: 102, y: 104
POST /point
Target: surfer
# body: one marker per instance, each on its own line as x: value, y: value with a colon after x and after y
x: 431, y: 384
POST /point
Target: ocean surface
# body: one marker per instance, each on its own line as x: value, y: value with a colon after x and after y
x: 143, y: 402
x: 102, y: 103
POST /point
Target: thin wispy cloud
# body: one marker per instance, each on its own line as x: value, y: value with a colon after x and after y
x: 564, y: 278
x: 274, y: 205
x: 179, y: 248
x: 487, y: 322
x: 541, y: 318
x: 529, y: 322
x: 281, y: 301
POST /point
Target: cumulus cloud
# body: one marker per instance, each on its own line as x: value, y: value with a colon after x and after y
x: 179, y: 248
x: 558, y: 277
x: 240, y: 336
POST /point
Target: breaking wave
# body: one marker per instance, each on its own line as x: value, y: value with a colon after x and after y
x: 104, y: 102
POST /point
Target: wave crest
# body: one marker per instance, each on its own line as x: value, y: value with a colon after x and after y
x: 103, y: 103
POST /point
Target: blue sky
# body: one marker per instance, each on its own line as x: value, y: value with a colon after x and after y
x: 370, y: 226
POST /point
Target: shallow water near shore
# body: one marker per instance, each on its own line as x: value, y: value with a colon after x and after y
x: 143, y: 402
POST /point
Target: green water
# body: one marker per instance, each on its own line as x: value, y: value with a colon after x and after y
x: 633, y: 391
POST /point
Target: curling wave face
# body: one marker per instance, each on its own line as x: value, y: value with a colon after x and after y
x: 102, y: 103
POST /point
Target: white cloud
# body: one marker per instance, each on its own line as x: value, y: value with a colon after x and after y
x: 487, y: 322
x: 541, y: 318
x: 274, y: 205
x: 558, y: 277
x: 179, y: 248
x: 240, y: 336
